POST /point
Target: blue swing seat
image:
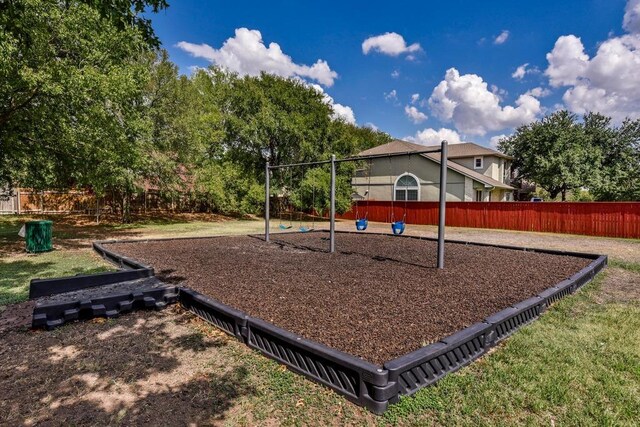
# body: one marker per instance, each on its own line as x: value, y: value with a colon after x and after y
x: 284, y: 227
x: 361, y: 224
x: 304, y: 229
x: 397, y: 227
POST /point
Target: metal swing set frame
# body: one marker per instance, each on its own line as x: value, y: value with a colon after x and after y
x: 332, y: 215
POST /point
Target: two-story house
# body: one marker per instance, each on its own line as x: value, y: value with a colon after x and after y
x: 474, y: 173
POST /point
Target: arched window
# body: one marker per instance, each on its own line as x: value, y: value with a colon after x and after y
x: 407, y: 188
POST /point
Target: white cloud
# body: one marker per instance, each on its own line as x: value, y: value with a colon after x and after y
x: 502, y: 37
x: 344, y: 112
x: 631, y: 20
x: 414, y: 114
x: 498, y: 92
x: 395, y: 74
x: 608, y: 82
x: 567, y: 61
x: 466, y: 101
x: 520, y: 72
x: 370, y: 126
x: 494, y: 140
x: 431, y: 136
x: 415, y: 98
x: 538, y: 92
x: 391, y: 96
x: 523, y: 70
x: 339, y: 111
x: 246, y: 53
x: 392, y: 44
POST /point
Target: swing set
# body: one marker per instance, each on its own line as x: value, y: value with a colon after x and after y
x: 397, y: 226
x: 363, y: 222
x: 304, y: 226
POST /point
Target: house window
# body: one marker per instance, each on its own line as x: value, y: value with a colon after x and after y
x: 479, y: 195
x: 407, y: 188
x: 478, y: 162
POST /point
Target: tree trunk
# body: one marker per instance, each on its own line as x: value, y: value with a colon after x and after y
x: 126, y: 208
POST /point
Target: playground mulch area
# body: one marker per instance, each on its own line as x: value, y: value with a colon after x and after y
x: 378, y: 297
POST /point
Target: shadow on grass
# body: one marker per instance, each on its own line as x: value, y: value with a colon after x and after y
x: 73, y: 231
x: 67, y: 232
x: 140, y: 369
x: 16, y: 275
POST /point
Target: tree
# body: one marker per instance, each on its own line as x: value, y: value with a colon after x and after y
x: 617, y: 175
x: 283, y: 116
x: 554, y: 153
x: 126, y: 13
x: 291, y: 122
x: 560, y: 154
x: 87, y: 101
x: 72, y: 78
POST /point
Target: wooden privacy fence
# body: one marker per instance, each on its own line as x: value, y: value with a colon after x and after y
x: 25, y: 201
x: 608, y: 219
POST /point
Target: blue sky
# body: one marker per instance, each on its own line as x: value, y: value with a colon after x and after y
x: 449, y: 53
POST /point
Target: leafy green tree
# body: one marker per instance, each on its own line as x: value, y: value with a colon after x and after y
x: 72, y: 78
x: 289, y: 121
x: 224, y: 187
x: 617, y: 175
x: 553, y: 153
x: 127, y: 13
x: 87, y: 101
x: 283, y: 116
x: 559, y: 153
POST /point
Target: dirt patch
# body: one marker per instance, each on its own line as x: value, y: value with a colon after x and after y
x: 379, y: 297
x: 621, y: 286
x: 16, y: 316
x: 148, y: 368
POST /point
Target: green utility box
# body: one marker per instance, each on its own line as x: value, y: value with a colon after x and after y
x: 39, y: 236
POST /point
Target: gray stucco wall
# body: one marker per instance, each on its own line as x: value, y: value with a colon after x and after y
x: 385, y: 172
x: 492, y: 166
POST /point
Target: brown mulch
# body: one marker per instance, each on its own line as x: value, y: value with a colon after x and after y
x: 377, y: 298
x: 16, y: 316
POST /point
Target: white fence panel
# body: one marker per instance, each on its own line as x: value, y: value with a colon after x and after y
x: 8, y: 204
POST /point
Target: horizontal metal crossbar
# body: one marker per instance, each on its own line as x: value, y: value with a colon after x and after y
x: 357, y: 158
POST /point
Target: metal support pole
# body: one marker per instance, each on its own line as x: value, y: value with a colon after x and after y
x: 332, y: 217
x: 266, y: 202
x: 443, y: 203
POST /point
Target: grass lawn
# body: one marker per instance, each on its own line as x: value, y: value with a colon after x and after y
x: 579, y: 364
x: 73, y: 254
x: 17, y: 271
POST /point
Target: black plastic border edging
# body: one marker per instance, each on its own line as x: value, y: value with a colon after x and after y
x: 354, y: 378
x: 129, y: 270
x: 427, y: 365
x: 51, y: 315
x: 361, y: 382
